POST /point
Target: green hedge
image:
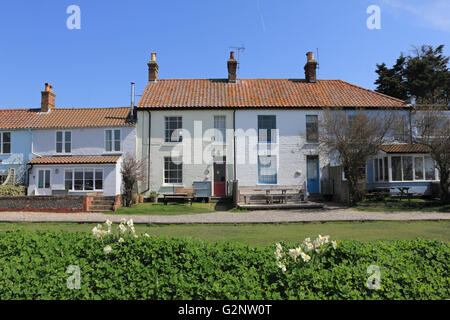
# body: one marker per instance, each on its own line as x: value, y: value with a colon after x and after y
x: 33, y: 266
x: 11, y: 191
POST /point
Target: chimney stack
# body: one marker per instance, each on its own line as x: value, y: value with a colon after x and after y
x: 310, y: 68
x: 47, y: 98
x: 153, y: 68
x: 232, y: 66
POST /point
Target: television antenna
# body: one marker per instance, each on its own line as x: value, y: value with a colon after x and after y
x: 239, y: 49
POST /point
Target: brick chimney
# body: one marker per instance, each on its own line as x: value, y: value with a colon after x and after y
x: 153, y: 68
x: 310, y: 68
x: 232, y: 66
x: 47, y: 98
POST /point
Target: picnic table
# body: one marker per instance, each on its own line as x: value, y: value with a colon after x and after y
x: 177, y: 197
x: 281, y: 197
x: 404, y: 191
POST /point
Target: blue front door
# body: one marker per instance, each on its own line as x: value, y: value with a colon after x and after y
x: 312, y: 174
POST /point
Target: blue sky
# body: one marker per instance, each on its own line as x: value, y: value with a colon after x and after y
x: 93, y: 66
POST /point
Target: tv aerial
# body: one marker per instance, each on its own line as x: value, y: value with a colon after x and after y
x: 239, y: 49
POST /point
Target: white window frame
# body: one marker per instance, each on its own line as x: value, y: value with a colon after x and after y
x: 113, y: 140
x: 180, y: 130
x: 63, y: 147
x: 1, y: 142
x: 164, y: 174
x: 44, y: 178
x: 84, y: 181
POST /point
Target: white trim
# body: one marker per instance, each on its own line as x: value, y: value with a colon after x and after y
x: 1, y: 143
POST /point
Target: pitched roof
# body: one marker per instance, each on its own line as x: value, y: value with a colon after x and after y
x: 16, y: 118
x: 64, y: 118
x: 404, y: 148
x: 200, y: 93
x: 75, y: 160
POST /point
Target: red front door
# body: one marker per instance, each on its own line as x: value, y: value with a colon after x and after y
x: 219, y: 179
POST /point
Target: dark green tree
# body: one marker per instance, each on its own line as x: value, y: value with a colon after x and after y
x: 423, y: 74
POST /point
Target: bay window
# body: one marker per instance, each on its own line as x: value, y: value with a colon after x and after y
x: 405, y: 168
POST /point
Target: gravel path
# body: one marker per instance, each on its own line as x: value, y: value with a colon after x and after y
x: 265, y: 216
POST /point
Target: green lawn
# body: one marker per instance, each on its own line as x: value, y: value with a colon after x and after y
x: 264, y: 234
x: 150, y: 208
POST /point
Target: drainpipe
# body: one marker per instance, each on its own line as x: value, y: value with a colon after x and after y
x: 148, y: 152
x: 234, y: 144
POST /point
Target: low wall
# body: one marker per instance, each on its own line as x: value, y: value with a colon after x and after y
x: 45, y: 203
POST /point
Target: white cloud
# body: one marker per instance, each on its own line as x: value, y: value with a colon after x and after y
x: 433, y: 13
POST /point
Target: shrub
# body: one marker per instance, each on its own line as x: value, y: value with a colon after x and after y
x: 11, y: 191
x: 34, y: 264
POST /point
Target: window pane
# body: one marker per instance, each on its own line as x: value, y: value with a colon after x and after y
x: 407, y: 168
x: 386, y: 169
x: 68, y: 141
x: 380, y: 164
x: 89, y: 180
x: 267, y: 169
x: 116, y: 140
x: 41, y: 179
x: 108, y: 140
x: 68, y: 180
x: 47, y: 179
x: 396, y: 168
x: 418, y: 168
x: 429, y: 169
x: 78, y: 185
x: 312, y: 129
x: 376, y: 169
x: 59, y: 143
x: 219, y: 126
x: 99, y: 179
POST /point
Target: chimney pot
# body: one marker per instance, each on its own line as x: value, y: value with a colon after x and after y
x: 232, y: 66
x: 47, y: 98
x: 153, y: 68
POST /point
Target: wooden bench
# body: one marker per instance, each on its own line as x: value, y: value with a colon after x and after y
x: 180, y: 195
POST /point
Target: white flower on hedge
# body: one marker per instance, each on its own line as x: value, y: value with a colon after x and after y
x: 325, y: 239
x: 122, y: 228
x: 282, y: 266
x: 334, y: 244
x: 309, y: 246
x: 298, y: 251
x: 146, y: 235
x: 293, y: 254
x: 279, y: 247
x: 305, y: 257
x: 107, y: 249
x: 121, y: 240
x: 108, y: 223
x: 123, y: 220
x: 130, y: 222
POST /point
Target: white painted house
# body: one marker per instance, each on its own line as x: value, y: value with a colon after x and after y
x: 271, y: 128
x: 78, y: 151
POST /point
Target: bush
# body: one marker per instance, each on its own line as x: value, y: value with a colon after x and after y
x: 34, y: 266
x: 12, y: 191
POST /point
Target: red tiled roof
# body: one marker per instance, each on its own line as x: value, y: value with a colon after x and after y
x: 17, y: 118
x: 198, y: 93
x: 75, y: 160
x: 64, y: 118
x: 405, y: 148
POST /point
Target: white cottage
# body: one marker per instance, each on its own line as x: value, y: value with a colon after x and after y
x: 78, y: 151
x: 270, y: 129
